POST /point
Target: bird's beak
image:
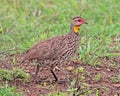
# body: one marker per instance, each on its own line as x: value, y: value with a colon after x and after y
x: 85, y: 22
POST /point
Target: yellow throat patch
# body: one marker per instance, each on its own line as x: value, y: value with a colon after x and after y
x: 76, y: 28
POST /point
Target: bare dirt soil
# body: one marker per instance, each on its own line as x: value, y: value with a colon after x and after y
x: 101, y: 79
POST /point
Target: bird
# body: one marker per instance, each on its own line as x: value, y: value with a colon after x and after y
x: 56, y: 50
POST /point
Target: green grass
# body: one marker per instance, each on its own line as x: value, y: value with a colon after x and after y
x: 14, y: 74
x: 23, y: 23
x: 8, y: 91
x: 116, y: 78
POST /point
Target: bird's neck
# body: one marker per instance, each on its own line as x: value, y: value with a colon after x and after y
x: 75, y: 37
x: 73, y: 30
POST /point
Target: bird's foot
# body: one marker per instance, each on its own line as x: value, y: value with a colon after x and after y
x: 54, y: 81
x: 62, y: 81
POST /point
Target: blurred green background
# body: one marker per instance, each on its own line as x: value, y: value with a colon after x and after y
x: 25, y: 22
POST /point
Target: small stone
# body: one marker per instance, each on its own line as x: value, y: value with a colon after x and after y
x: 69, y: 68
x: 98, y: 69
x: 57, y: 68
x: 117, y: 85
x: 108, y: 69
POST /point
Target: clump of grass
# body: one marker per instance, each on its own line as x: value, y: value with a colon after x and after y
x: 97, y: 93
x: 97, y: 77
x: 6, y: 74
x: 20, y: 74
x: 16, y: 73
x: 116, y: 78
x: 8, y: 91
x: 113, y: 65
x: 71, y: 87
x: 78, y: 84
x: 79, y: 70
x: 79, y: 74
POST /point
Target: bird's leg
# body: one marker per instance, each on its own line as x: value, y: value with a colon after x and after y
x: 56, y: 79
x: 36, y: 72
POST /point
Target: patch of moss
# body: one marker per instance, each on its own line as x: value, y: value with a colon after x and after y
x: 6, y: 74
x: 116, y: 78
x: 97, y: 77
x: 16, y: 73
x: 20, y: 74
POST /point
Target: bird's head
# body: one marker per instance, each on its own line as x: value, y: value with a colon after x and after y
x: 76, y: 23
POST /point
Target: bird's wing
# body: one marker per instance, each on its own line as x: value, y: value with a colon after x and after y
x: 44, y: 49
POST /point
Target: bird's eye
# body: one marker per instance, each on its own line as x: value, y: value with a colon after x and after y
x: 79, y: 20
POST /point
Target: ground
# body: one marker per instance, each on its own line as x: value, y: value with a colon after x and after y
x: 100, y: 79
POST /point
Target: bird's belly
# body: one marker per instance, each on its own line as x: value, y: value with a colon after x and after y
x: 46, y: 62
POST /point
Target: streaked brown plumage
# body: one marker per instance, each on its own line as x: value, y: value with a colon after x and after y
x: 56, y: 50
